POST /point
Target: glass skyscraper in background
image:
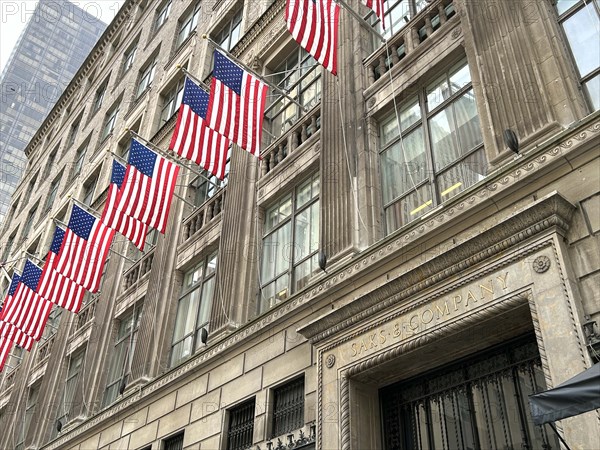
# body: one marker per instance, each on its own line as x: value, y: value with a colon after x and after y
x: 50, y: 50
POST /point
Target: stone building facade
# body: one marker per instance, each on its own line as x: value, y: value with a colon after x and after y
x: 389, y: 275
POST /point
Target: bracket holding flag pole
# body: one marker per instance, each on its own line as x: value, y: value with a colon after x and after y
x: 166, y: 155
x: 64, y: 225
x: 175, y: 195
x: 253, y: 72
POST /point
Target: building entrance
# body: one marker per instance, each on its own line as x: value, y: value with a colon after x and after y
x: 479, y: 402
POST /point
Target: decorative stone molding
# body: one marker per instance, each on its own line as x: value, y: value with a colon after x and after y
x: 330, y: 361
x: 541, y: 264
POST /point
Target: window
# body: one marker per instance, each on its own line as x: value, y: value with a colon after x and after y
x: 397, y: 14
x: 230, y: 33
x: 122, y: 354
x: 8, y: 246
x: 288, y: 407
x: 78, y: 163
x: 100, y: 96
x: 129, y: 57
x: 193, y: 310
x: 162, y: 14
x: 50, y: 163
x: 109, y: 122
x: 301, y: 77
x: 172, y: 100
x: 65, y: 407
x: 438, y: 152
x: 188, y: 24
x: 147, y: 76
x: 241, y: 426
x: 89, y: 188
x: 580, y: 21
x: 31, y: 186
x: 174, y: 443
x: 32, y: 398
x: 290, y: 244
x: 73, y: 132
x: 203, y: 188
x: 52, y: 192
x: 29, y: 221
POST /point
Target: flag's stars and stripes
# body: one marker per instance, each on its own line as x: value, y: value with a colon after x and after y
x: 56, y: 287
x: 377, y: 7
x: 237, y: 104
x: 148, y: 187
x: 8, y: 332
x: 193, y: 139
x: 118, y: 220
x: 27, y: 310
x: 84, y: 249
x: 314, y: 25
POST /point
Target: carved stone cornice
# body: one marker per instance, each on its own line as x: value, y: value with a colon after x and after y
x: 551, y: 211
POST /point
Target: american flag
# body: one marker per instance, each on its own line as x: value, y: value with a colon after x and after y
x: 56, y: 287
x: 13, y: 335
x: 131, y: 228
x: 377, y: 7
x: 27, y: 310
x: 237, y: 104
x: 193, y: 139
x: 148, y: 186
x: 314, y: 25
x: 84, y: 249
x: 9, y: 331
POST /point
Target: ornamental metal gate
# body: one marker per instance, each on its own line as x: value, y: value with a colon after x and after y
x: 478, y: 403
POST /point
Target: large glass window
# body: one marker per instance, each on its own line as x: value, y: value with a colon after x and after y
x: 188, y: 24
x: 52, y: 192
x: 89, y: 187
x: 129, y: 57
x: 171, y: 101
x: 99, y: 99
x: 29, y: 221
x: 122, y: 354
x: 162, y: 14
x: 288, y: 407
x: 431, y: 149
x: 78, y: 163
x: 240, y: 432
x: 581, y: 22
x: 290, y: 244
x: 147, y: 76
x: 65, y: 408
x: 204, y: 188
x: 300, y: 75
x: 109, y: 122
x: 193, y: 310
x: 229, y: 35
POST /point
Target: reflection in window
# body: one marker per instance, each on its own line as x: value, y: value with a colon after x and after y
x: 230, y: 33
x: 436, y: 153
x: 581, y: 22
x: 290, y: 244
x: 193, y: 310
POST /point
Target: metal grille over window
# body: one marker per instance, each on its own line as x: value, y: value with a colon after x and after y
x: 288, y: 408
x: 174, y: 443
x: 476, y: 404
x: 241, y: 426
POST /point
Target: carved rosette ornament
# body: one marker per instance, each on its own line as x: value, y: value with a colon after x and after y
x: 330, y: 361
x: 541, y: 264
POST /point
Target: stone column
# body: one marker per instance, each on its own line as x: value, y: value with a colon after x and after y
x: 346, y: 168
x: 522, y: 74
x: 236, y: 282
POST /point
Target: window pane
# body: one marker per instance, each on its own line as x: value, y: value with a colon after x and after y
x: 186, y: 311
x: 403, y: 165
x: 437, y: 93
x: 303, y: 271
x: 582, y: 32
x: 467, y: 122
x: 460, y: 77
x: 207, y: 295
x: 307, y: 232
x: 464, y: 174
x: 443, y: 138
x: 409, y: 208
x: 593, y: 90
x: 283, y: 243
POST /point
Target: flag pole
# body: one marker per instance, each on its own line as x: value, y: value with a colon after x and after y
x: 257, y: 75
x: 62, y: 224
x: 164, y: 154
x: 29, y: 255
x: 362, y: 21
x: 174, y: 194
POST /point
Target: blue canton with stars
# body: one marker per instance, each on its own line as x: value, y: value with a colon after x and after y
x: 118, y: 173
x: 31, y: 275
x: 228, y: 72
x: 81, y: 222
x: 195, y: 97
x: 13, y: 284
x: 142, y: 158
x: 59, y: 235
